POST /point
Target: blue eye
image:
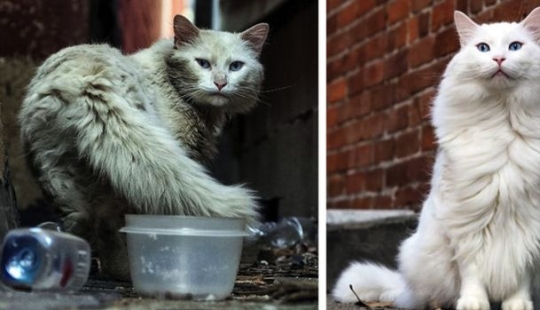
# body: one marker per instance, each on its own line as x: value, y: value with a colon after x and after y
x: 236, y: 65
x: 482, y: 47
x: 514, y: 46
x: 203, y: 63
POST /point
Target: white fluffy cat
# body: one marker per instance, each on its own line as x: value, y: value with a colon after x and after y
x: 478, y: 238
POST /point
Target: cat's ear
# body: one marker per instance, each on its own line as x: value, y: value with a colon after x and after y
x: 184, y: 31
x: 532, y: 23
x: 465, y: 27
x: 256, y: 36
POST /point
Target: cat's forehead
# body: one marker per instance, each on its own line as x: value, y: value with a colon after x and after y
x: 222, y: 42
x: 500, y: 32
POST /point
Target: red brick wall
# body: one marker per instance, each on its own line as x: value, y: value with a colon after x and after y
x: 384, y: 60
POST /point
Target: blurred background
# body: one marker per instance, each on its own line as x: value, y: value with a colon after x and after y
x: 273, y: 150
x: 384, y: 62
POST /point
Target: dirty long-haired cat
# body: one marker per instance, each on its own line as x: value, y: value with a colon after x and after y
x: 478, y: 239
x: 109, y: 134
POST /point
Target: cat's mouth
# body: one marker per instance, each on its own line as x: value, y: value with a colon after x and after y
x: 500, y: 72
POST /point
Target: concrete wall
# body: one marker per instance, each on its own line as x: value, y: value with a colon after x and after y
x: 385, y: 59
x: 273, y: 149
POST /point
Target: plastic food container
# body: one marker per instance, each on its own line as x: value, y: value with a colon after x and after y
x: 184, y: 256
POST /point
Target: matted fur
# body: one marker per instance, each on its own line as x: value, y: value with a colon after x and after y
x: 109, y: 134
x: 478, y: 239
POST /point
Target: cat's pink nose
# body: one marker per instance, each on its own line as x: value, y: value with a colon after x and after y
x: 220, y: 85
x: 499, y: 60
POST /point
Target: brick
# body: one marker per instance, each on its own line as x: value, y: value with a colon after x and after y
x: 397, y: 119
x: 371, y: 25
x: 489, y: 2
x: 462, y: 6
x: 338, y: 44
x: 408, y: 143
x: 347, y: 14
x: 484, y: 17
x: 396, y: 65
x: 355, y: 107
x: 421, y: 52
x: 446, y: 42
x: 348, y: 62
x: 356, y: 82
x: 350, y: 157
x: 397, y: 38
x: 363, y: 155
x: 374, y: 180
x: 382, y: 96
x: 414, y: 82
x: 409, y: 197
x: 353, y: 132
x: 508, y: 11
x: 335, y: 139
x: 363, y: 203
x: 333, y: 4
x: 384, y: 150
x: 413, y: 170
x: 353, y: 11
x: 352, y: 59
x: 339, y: 204
x: 375, y: 125
x: 331, y: 116
x: 376, y: 47
x: 332, y: 163
x: 336, y: 186
x: 423, y: 24
x: 334, y: 70
x: 397, y: 10
x: 475, y: 6
x: 373, y: 74
x: 335, y: 163
x: 382, y: 202
x: 355, y: 182
x: 337, y: 91
x: 415, y: 113
x: 428, y: 138
x: 426, y: 100
x: 443, y: 14
x: 417, y: 5
x: 412, y: 29
x: 331, y: 26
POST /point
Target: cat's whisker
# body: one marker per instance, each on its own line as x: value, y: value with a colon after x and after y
x: 271, y: 90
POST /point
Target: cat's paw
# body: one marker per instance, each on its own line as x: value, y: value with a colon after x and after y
x: 473, y: 302
x: 75, y: 223
x: 517, y: 304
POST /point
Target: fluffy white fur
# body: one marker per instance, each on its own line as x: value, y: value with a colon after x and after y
x: 109, y: 134
x: 478, y: 239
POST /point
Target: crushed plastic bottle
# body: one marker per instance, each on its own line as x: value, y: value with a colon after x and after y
x: 44, y: 259
x: 286, y: 233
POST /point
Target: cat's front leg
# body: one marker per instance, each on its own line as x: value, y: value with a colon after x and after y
x: 473, y: 295
x: 520, y: 300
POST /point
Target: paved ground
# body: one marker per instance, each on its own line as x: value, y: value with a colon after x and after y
x: 288, y: 282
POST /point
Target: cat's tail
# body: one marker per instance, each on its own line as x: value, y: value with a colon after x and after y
x: 372, y: 282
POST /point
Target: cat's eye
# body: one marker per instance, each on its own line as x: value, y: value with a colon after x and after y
x: 203, y: 63
x: 236, y: 65
x: 514, y: 46
x: 482, y: 47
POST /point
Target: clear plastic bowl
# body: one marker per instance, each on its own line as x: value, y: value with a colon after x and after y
x: 184, y: 256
